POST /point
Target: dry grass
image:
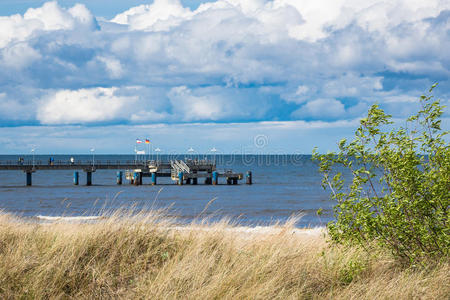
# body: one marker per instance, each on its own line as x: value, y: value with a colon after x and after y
x: 148, y: 258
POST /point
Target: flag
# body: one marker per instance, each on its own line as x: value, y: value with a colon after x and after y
x: 147, y: 141
x: 138, y: 141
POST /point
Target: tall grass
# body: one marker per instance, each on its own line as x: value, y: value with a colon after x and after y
x: 146, y: 256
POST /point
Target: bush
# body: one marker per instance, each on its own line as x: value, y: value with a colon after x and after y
x: 399, y: 193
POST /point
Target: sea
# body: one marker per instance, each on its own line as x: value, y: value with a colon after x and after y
x: 284, y: 186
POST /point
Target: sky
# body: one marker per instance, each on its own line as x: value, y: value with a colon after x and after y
x: 242, y: 76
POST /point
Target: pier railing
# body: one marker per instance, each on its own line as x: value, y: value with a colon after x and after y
x: 76, y: 163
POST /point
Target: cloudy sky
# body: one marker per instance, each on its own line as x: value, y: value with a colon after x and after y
x: 244, y: 76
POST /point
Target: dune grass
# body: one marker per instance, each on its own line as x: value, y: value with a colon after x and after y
x: 147, y: 257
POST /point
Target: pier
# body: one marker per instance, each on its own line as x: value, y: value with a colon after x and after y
x: 182, y: 172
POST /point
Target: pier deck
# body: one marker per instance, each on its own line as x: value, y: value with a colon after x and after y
x: 180, y: 171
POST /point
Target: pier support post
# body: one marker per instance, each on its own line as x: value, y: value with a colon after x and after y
x: 119, y: 176
x: 76, y: 177
x: 208, y: 180
x: 195, y: 179
x: 180, y: 178
x: 137, y: 178
x: 235, y: 181
x: 228, y: 181
x: 88, y: 178
x: 188, y: 181
x: 215, y: 178
x: 154, y: 178
x: 29, y: 178
x: 140, y: 178
x: 248, y: 177
x: 130, y: 176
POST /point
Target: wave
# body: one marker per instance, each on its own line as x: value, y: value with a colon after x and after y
x: 73, y: 218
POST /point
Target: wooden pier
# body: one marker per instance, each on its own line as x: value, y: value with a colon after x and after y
x: 180, y: 171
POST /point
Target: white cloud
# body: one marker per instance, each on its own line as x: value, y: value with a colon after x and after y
x: 321, y: 108
x: 14, y: 110
x: 149, y: 116
x: 160, y: 15
x: 83, y: 106
x: 301, y: 90
x: 228, y: 60
x: 351, y: 85
x: 53, y: 17
x: 80, y: 13
x: 346, y: 85
x: 371, y: 15
x: 236, y: 138
x: 16, y: 28
x: 112, y: 65
x: 18, y: 56
x: 49, y: 17
x: 191, y: 107
x: 400, y: 99
x: 17, y: 32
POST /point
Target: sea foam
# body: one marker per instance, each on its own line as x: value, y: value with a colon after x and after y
x: 66, y: 218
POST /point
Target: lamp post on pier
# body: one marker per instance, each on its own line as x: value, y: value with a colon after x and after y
x: 157, y: 150
x: 214, y: 150
x: 93, y: 154
x: 32, y: 152
x: 191, y: 153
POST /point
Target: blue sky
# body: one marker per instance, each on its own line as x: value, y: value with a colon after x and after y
x: 226, y: 74
x: 100, y: 8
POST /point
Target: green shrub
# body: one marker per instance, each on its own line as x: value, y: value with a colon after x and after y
x: 399, y: 193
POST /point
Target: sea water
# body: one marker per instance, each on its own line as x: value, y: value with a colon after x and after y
x: 283, y: 186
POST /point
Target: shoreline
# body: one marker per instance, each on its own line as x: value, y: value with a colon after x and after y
x: 199, y: 223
